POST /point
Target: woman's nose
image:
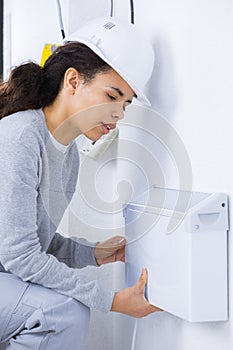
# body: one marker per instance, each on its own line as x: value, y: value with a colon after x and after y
x: 118, y: 112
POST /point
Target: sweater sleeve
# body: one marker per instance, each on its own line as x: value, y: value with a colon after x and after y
x: 20, y: 249
x: 74, y: 252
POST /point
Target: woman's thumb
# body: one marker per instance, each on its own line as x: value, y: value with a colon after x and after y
x: 143, y: 278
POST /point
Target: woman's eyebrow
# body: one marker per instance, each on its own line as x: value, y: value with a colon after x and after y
x: 121, y: 93
x: 118, y: 91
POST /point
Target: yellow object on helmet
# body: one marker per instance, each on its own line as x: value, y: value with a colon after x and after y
x: 47, y: 51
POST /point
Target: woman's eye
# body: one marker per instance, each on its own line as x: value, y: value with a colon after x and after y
x: 112, y: 97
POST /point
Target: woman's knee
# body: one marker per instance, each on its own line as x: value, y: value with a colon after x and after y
x: 61, y: 313
x: 60, y: 325
x: 72, y: 323
x: 69, y: 315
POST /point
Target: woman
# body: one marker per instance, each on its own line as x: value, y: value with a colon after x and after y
x: 45, y: 297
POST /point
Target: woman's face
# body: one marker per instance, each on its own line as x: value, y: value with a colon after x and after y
x: 99, y: 104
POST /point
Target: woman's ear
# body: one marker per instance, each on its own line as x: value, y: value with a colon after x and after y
x: 72, y: 79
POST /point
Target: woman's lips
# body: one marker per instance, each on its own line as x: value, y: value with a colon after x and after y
x: 107, y: 127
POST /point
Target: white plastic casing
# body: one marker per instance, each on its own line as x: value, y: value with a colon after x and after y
x: 181, y: 238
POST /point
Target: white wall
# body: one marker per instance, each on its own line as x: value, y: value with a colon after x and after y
x: 28, y: 26
x: 192, y: 87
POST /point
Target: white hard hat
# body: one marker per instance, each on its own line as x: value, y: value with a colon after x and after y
x: 121, y: 45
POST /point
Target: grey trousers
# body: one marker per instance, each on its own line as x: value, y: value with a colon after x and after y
x: 36, y: 318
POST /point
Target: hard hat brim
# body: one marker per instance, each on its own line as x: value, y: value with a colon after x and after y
x: 138, y: 92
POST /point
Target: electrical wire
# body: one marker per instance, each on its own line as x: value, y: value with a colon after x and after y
x: 60, y: 19
x: 133, y: 342
x: 132, y: 11
x: 111, y: 8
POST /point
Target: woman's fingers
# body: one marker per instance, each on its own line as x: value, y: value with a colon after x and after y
x: 142, y: 281
x: 143, y: 278
x: 118, y: 240
x: 110, y: 250
x: 112, y: 244
x: 131, y: 301
x: 120, y: 255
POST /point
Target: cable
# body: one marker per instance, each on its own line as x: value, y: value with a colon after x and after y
x: 132, y: 11
x: 60, y: 19
x: 111, y: 9
x: 133, y: 342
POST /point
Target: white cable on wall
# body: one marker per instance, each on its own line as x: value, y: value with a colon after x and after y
x: 132, y: 11
x: 111, y: 8
x: 60, y: 19
x: 134, y: 335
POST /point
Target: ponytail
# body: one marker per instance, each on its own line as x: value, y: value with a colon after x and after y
x: 21, y: 92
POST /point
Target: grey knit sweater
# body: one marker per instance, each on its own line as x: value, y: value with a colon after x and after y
x: 37, y: 182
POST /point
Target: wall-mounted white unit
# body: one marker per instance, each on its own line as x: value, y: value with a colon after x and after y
x: 181, y: 238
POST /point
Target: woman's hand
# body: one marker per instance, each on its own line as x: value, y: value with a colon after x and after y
x: 110, y: 250
x: 131, y: 301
